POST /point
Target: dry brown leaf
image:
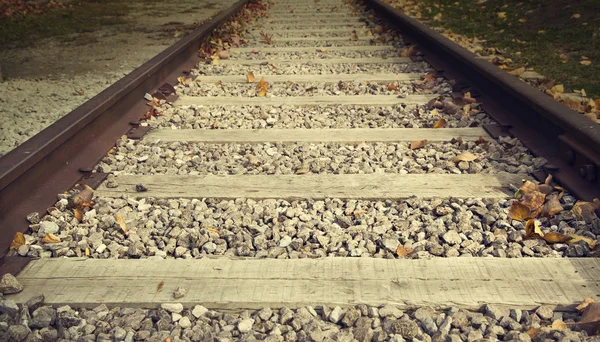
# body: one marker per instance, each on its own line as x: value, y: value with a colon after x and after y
x: 402, y: 251
x: 590, y: 319
x: 576, y: 238
x: 518, y: 211
x: 84, y: 197
x: 584, y: 304
x: 552, y: 206
x: 354, y: 36
x: 429, y: 77
x: 532, y: 332
x: 418, y: 144
x: 184, y: 81
x: 465, y: 156
x: 585, y: 211
x: 393, y: 86
x: 528, y: 186
x: 160, y: 286
x: 576, y: 16
x: 18, y: 241
x: 553, y: 237
x: 50, y: 238
x: 267, y: 38
x: 78, y: 214
x: 262, y: 87
x: 533, y: 199
x: 302, y: 170
x: 441, y: 123
x: 408, y: 51
x: 559, y: 325
x: 533, y: 230
x: 250, y: 77
x: 122, y: 224
x: 480, y: 141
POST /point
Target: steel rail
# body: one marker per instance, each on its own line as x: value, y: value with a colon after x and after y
x: 55, y: 159
x: 569, y: 141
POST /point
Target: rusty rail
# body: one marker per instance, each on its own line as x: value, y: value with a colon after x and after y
x: 64, y: 154
x: 569, y: 141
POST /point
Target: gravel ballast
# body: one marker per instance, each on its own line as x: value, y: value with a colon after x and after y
x: 173, y: 322
x: 181, y: 228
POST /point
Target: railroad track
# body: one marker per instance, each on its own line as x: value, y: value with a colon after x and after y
x: 319, y: 181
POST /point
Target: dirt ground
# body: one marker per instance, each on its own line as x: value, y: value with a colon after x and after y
x: 47, y: 78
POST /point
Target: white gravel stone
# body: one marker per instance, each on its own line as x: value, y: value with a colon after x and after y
x: 172, y: 307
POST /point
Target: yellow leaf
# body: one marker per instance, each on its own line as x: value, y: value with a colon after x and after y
x: 559, y: 325
x: 262, y: 92
x: 465, y: 156
x: 576, y: 16
x: 541, y: 31
x: 215, y: 61
x: 184, y: 80
x: 532, y: 229
x: 522, y: 20
x: 532, y: 332
x: 302, y: 170
x: 402, y: 251
x: 585, y: 303
x: 87, y: 252
x: 559, y: 88
x: 418, y: 144
x: 518, y: 71
x: 122, y: 224
x: 518, y: 211
x: 576, y: 238
x: 262, y: 87
x: 18, y: 241
x: 78, y: 214
x: 585, y: 62
x: 553, y: 237
x: 250, y: 77
x: 441, y: 123
x: 212, y: 230
x: 50, y: 238
x: 501, y: 15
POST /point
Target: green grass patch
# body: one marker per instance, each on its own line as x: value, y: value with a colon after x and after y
x: 83, y: 16
x: 542, y: 34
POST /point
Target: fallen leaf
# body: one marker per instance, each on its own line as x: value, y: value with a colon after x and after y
x: 480, y: 141
x: 501, y: 15
x: 554, y: 237
x: 78, y: 214
x: 532, y: 229
x: 522, y: 20
x: 532, y: 332
x: 160, y: 286
x: 87, y: 252
x: 418, y: 144
x: 585, y: 211
x: 559, y: 325
x: 441, y: 123
x: 559, y: 88
x: 262, y: 87
x: 322, y: 50
x: 392, y: 87
x: 18, y: 241
x: 215, y: 61
x: 402, y: 251
x: 354, y: 36
x: 576, y: 16
x: 212, y: 230
x: 585, y: 62
x: 552, y: 206
x: 584, y: 304
x: 84, y: 197
x: 267, y: 38
x: 465, y: 156
x: 590, y: 319
x: 250, y: 77
x: 528, y: 186
x: 576, y: 238
x: 184, y: 81
x: 408, y: 51
x: 302, y: 170
x: 50, y: 238
x: 122, y: 224
x: 533, y: 199
x: 518, y: 211
x: 518, y: 71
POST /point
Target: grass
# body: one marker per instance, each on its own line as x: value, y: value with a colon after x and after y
x: 84, y: 16
x: 537, y: 33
